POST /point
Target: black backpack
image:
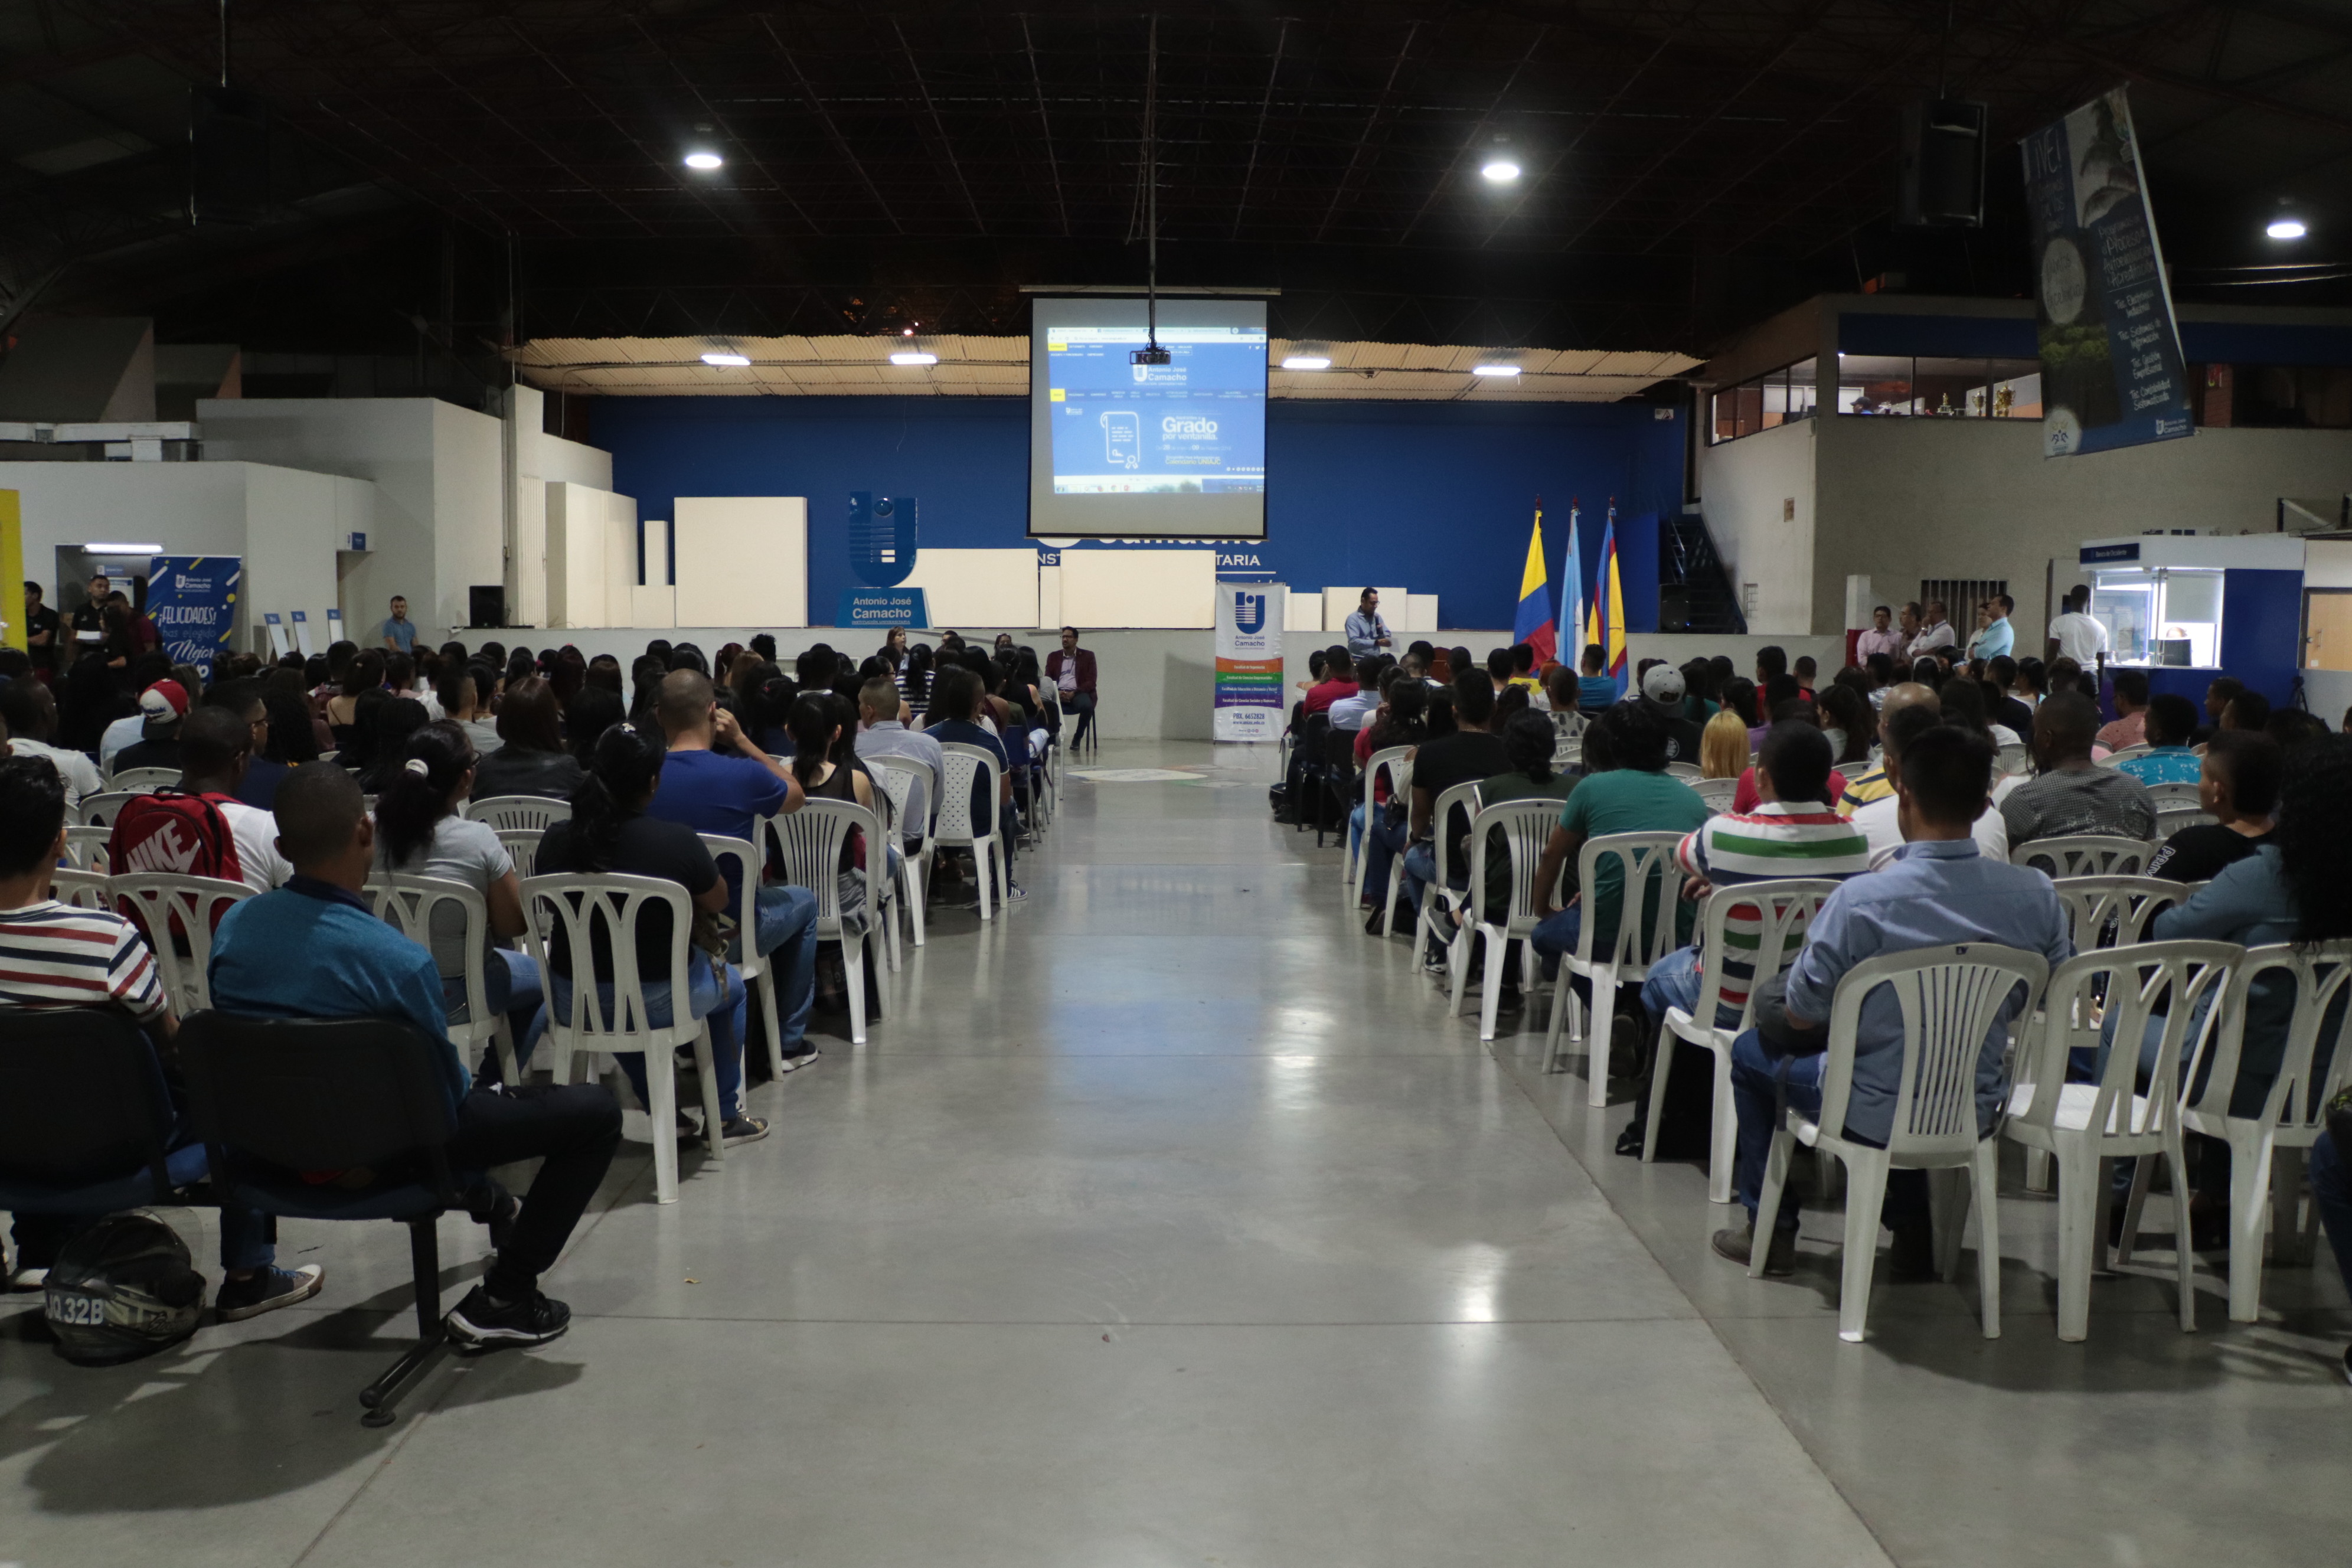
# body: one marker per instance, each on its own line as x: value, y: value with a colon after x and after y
x: 124, y: 1289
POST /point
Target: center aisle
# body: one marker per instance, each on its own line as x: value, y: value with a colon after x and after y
x: 1164, y: 1221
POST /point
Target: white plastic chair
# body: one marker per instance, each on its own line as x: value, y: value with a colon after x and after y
x: 86, y: 846
x: 1398, y: 762
x: 2112, y: 758
x: 2083, y: 1125
x: 1780, y: 911
x: 82, y: 889
x: 1718, y: 794
x: 2292, y: 1117
x: 899, y: 777
x: 2183, y: 794
x: 2084, y: 855
x: 142, y: 781
x: 175, y: 910
x: 2119, y: 908
x: 1439, y: 894
x: 522, y: 847
x: 969, y: 767
x: 1951, y: 999
x: 100, y: 810
x: 1527, y: 828
x: 503, y: 811
x: 810, y: 841
x: 576, y: 906
x: 1683, y: 771
x: 1852, y: 771
x: 2171, y: 819
x: 758, y: 974
x: 885, y: 890
x: 415, y: 905
x: 1650, y: 891
x: 1568, y: 753
x: 2015, y: 758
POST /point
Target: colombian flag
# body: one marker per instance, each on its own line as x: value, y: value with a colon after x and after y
x: 1609, y: 608
x: 1532, y: 625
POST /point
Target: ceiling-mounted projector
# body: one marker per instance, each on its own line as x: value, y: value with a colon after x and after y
x: 1154, y: 354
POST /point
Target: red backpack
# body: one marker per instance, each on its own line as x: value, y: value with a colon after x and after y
x: 186, y: 835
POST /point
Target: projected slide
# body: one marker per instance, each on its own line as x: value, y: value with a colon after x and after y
x: 1196, y: 425
x: 1122, y: 450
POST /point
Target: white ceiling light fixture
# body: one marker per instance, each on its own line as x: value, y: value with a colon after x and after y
x: 116, y: 547
x: 913, y: 356
x: 734, y: 361
x: 2285, y: 227
x: 703, y: 159
x: 1307, y: 362
x: 1500, y: 370
x: 1502, y: 164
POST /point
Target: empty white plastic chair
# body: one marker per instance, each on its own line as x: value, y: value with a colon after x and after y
x: 2114, y: 912
x: 1718, y: 794
x: 177, y: 914
x: 575, y: 907
x: 899, y: 778
x: 142, y: 781
x: 1439, y: 900
x: 522, y: 847
x: 1951, y: 998
x: 421, y: 905
x: 100, y: 810
x: 1650, y: 888
x: 80, y: 889
x: 969, y: 768
x: 2083, y: 1125
x: 1778, y: 912
x: 2084, y: 855
x: 810, y: 841
x: 1526, y: 826
x: 503, y: 811
x: 1397, y: 763
x: 758, y: 974
x: 2293, y: 1117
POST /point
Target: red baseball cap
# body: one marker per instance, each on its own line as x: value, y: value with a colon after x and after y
x: 164, y: 700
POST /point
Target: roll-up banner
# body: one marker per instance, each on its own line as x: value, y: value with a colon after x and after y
x: 192, y: 599
x: 2111, y: 374
x: 1249, y: 704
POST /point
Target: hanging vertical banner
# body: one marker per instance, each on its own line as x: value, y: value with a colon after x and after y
x: 13, y: 627
x: 2111, y: 365
x: 193, y: 601
x: 1249, y: 704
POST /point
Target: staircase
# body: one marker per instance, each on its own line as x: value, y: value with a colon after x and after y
x: 1695, y: 591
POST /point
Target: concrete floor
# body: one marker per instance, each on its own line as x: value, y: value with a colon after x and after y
x: 1170, y: 1220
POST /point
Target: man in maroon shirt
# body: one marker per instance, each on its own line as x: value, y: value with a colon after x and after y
x: 1338, y: 681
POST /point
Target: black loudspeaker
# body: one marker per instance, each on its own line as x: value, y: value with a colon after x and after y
x: 1673, y: 607
x: 485, y: 607
x: 1941, y: 183
x: 228, y: 156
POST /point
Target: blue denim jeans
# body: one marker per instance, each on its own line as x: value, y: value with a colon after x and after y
x: 1674, y: 982
x: 1756, y: 1079
x: 1382, y: 845
x: 1554, y: 937
x: 787, y: 919
x: 719, y: 1001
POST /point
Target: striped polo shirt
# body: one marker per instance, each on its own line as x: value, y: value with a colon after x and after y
x: 1802, y: 839
x: 1872, y: 785
x: 55, y: 955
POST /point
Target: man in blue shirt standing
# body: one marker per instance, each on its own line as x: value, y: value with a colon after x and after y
x: 1998, y: 638
x: 398, y: 632
x: 353, y: 965
x: 1937, y: 892
x: 1367, y: 633
x: 715, y: 780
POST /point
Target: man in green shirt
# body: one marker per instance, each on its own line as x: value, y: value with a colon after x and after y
x: 1636, y: 795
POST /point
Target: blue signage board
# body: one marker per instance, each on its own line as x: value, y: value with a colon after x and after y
x: 193, y: 601
x: 882, y: 608
x: 2094, y: 554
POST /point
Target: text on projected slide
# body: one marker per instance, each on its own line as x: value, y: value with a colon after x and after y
x: 1195, y: 424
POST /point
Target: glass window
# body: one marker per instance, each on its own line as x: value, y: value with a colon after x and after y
x: 1771, y: 399
x: 1803, y: 391
x: 2123, y: 600
x: 2188, y: 619
x: 1875, y: 384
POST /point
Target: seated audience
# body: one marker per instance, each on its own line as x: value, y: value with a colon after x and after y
x: 357, y: 966
x: 1625, y: 789
x: 1402, y: 721
x: 55, y: 955
x: 420, y: 832
x: 717, y: 781
x: 242, y: 696
x: 591, y: 712
x: 1596, y: 690
x: 1338, y: 681
x: 2071, y: 794
x: 1723, y: 745
x: 1939, y: 890
x: 29, y: 713
x: 2246, y: 711
x: 2166, y: 724
x: 1880, y: 820
x: 386, y: 727
x: 200, y: 828
x: 2130, y: 727
x: 1471, y: 752
x: 1527, y: 738
x: 2239, y: 785
x: 531, y: 758
x: 1849, y: 723
x: 1793, y: 832
x: 1350, y: 711
x: 955, y: 705
x: 881, y: 733
x: 161, y: 707
x: 464, y: 693
x: 1663, y: 690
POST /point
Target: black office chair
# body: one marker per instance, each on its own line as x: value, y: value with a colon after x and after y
x: 274, y: 1098
x: 1304, y: 777
x: 85, y: 1120
x: 1338, y: 780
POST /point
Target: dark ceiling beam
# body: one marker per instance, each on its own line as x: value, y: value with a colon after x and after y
x: 1258, y: 139
x: 831, y: 131
x: 947, y: 143
x: 1046, y: 125
x: 1445, y: 182
x: 734, y: 141
x: 1371, y: 122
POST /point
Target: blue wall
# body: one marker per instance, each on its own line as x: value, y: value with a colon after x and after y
x: 1434, y: 494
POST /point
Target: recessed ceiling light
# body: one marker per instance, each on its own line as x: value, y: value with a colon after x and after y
x: 1307, y: 362
x: 2286, y: 229
x: 703, y: 160
x: 715, y: 358
x: 911, y: 357
x: 117, y: 547
x: 1493, y: 370
x: 1500, y: 169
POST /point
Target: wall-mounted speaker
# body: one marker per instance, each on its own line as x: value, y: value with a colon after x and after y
x: 485, y: 605
x: 1941, y: 180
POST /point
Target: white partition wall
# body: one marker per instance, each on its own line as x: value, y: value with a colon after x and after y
x: 620, y: 559
x: 578, y: 561
x: 1175, y: 588
x: 1339, y: 604
x: 1305, y: 611
x: 977, y: 587
x: 742, y: 560
x: 1049, y: 599
x: 1419, y: 613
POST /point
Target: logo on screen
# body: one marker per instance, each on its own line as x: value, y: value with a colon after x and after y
x: 881, y: 538
x: 1249, y: 612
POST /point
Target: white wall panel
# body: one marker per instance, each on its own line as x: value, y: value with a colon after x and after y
x: 620, y: 559
x: 1305, y: 613
x: 653, y: 608
x: 977, y: 587
x: 1171, y: 588
x: 1419, y: 613
x: 742, y: 561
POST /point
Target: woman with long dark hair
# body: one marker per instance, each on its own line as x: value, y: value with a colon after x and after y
x: 531, y: 758
x: 914, y: 679
x: 364, y: 673
x: 594, y: 711
x: 610, y: 832
x: 396, y: 724
x: 893, y: 651
x: 420, y: 832
x: 818, y: 734
x: 1848, y: 722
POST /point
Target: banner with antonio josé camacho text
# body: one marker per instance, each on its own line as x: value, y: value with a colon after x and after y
x: 192, y: 599
x: 1249, y: 705
x: 2111, y: 365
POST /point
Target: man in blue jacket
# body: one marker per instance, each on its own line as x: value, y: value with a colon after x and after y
x: 312, y: 949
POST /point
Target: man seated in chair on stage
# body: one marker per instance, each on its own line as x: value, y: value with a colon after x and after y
x: 1938, y: 891
x: 312, y: 949
x: 55, y: 955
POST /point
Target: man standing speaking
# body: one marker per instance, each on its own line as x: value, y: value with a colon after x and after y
x: 1367, y: 633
